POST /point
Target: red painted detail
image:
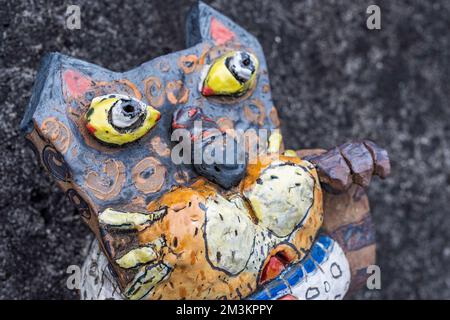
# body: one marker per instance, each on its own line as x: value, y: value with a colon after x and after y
x: 158, y: 116
x: 220, y: 33
x: 207, y: 133
x: 194, y: 138
x: 192, y: 112
x: 177, y: 125
x: 207, y: 91
x: 272, y: 269
x: 288, y: 297
x: 207, y: 119
x: 76, y: 83
x: 90, y: 128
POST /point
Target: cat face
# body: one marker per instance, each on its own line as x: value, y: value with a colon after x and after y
x: 177, y: 230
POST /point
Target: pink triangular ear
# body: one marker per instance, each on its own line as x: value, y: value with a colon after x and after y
x: 204, y: 24
x: 220, y: 33
x: 75, y: 83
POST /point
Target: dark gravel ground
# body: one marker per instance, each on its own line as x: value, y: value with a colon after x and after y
x: 332, y: 80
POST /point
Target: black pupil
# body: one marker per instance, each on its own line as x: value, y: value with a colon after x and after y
x: 128, y: 108
x: 246, y: 61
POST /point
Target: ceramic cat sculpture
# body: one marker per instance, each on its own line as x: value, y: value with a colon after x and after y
x: 264, y: 224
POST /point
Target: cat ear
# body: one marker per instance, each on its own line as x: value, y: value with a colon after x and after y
x: 58, y: 80
x: 75, y: 84
x: 204, y: 24
x: 62, y: 83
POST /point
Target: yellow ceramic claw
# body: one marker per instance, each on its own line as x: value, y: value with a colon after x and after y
x: 118, y: 119
x: 137, y: 257
x: 231, y: 74
x: 275, y: 141
x: 290, y: 153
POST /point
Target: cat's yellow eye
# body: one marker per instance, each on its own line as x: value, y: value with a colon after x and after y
x: 119, y: 119
x: 231, y: 75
